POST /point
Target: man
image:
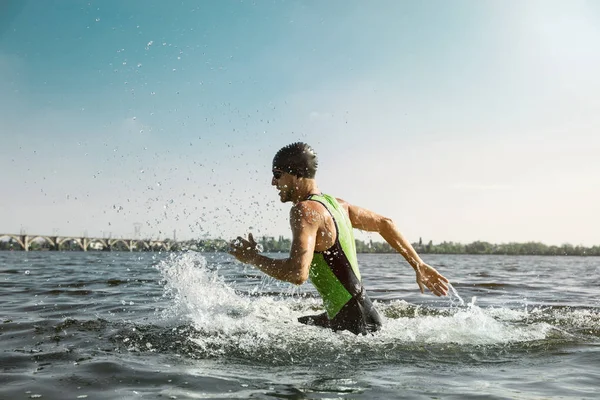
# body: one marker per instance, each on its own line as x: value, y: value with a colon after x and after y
x: 323, y: 246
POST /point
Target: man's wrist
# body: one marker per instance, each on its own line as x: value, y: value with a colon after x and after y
x: 252, y: 258
x: 417, y: 264
x: 260, y: 261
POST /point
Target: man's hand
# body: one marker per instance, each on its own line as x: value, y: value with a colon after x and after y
x: 244, y: 250
x: 427, y: 276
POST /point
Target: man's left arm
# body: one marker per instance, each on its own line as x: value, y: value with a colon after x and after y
x: 367, y: 220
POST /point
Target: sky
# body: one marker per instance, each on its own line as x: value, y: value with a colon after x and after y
x: 460, y: 120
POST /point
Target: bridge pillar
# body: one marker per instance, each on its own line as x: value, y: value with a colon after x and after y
x: 54, y: 240
x: 25, y: 241
x: 84, y: 243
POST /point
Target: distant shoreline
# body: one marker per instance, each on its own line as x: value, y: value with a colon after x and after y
x: 281, y: 252
x: 282, y: 245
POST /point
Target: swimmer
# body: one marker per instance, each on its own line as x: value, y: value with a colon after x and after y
x: 323, y: 247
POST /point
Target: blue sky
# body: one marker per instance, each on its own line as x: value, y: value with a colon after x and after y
x: 461, y: 120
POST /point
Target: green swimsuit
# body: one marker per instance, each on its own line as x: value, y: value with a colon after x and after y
x: 334, y: 273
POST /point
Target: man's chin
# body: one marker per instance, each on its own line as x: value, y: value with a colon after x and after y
x: 283, y: 198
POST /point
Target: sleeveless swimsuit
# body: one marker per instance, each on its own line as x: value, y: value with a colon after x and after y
x: 334, y: 273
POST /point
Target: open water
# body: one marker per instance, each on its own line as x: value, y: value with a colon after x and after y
x: 187, y: 326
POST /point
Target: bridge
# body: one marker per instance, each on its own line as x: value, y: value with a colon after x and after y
x: 56, y: 243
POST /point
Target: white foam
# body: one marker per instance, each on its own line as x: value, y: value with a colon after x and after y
x: 471, y: 325
x: 230, y: 321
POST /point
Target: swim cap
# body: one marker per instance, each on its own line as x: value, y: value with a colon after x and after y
x: 297, y: 159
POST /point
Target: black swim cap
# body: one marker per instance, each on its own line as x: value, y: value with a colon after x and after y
x: 297, y: 159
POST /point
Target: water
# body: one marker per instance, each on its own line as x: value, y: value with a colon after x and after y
x: 189, y: 326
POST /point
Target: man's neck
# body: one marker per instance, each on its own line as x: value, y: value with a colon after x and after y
x: 304, y: 188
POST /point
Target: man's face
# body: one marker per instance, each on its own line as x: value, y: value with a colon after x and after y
x: 284, y: 183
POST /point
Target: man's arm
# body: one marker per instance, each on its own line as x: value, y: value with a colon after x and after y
x: 295, y: 268
x: 367, y: 220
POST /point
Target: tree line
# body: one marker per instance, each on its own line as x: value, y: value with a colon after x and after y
x: 480, y: 247
x: 282, y: 245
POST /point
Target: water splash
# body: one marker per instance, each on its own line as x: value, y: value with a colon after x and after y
x: 462, y: 302
x: 260, y: 326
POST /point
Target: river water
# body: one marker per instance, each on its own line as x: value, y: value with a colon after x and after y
x: 190, y: 325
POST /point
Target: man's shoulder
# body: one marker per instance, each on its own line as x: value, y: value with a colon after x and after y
x: 308, y: 209
x: 307, y: 205
x: 342, y: 202
x: 307, y: 213
x: 319, y: 202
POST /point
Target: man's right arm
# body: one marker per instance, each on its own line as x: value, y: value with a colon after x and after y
x: 293, y: 269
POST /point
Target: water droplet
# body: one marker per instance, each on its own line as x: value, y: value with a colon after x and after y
x: 27, y: 272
